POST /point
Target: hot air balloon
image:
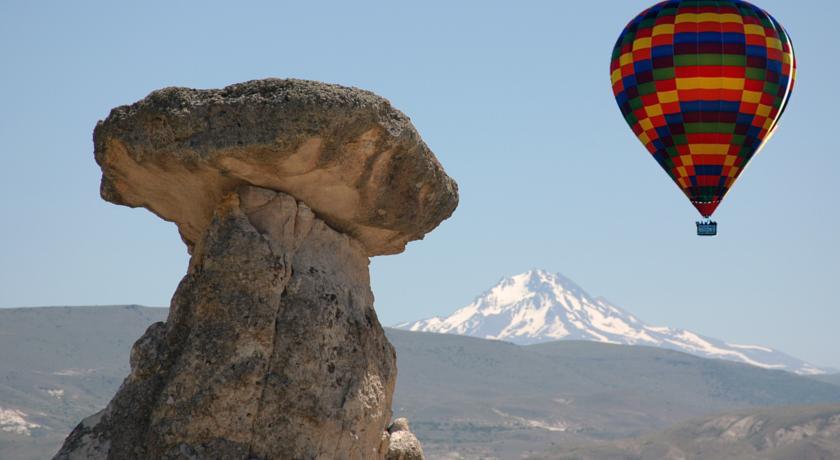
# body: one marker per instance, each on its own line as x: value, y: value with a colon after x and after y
x: 702, y: 83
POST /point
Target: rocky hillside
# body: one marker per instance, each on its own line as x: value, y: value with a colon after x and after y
x: 766, y: 434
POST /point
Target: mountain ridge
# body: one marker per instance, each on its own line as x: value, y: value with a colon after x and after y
x: 538, y: 306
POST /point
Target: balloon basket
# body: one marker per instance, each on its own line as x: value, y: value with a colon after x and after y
x: 706, y: 228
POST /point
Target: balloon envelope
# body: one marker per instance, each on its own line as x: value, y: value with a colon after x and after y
x: 702, y: 83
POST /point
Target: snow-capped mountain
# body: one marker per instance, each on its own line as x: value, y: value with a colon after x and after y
x: 538, y: 306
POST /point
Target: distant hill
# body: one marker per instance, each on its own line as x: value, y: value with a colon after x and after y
x: 465, y: 397
x: 538, y: 306
x: 58, y: 365
x: 830, y: 378
x: 482, y: 397
x: 785, y: 433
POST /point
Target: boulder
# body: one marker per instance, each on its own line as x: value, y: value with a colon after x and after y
x: 403, y: 445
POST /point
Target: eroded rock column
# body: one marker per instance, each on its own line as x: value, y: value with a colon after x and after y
x: 272, y: 349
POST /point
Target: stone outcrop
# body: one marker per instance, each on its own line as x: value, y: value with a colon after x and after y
x: 403, y: 445
x: 272, y: 349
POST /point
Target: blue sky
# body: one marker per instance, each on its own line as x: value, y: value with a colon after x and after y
x: 513, y: 97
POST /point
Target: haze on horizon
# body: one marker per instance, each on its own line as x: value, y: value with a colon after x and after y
x: 513, y: 99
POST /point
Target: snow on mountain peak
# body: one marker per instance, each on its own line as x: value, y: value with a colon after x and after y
x: 539, y: 306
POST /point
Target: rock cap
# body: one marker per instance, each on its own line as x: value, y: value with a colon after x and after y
x: 356, y: 161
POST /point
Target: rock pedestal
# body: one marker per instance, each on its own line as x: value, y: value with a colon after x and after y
x: 272, y: 350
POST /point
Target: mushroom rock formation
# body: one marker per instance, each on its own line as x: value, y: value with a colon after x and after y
x: 282, y: 190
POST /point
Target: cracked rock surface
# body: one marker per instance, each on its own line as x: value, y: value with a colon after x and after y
x: 272, y: 350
